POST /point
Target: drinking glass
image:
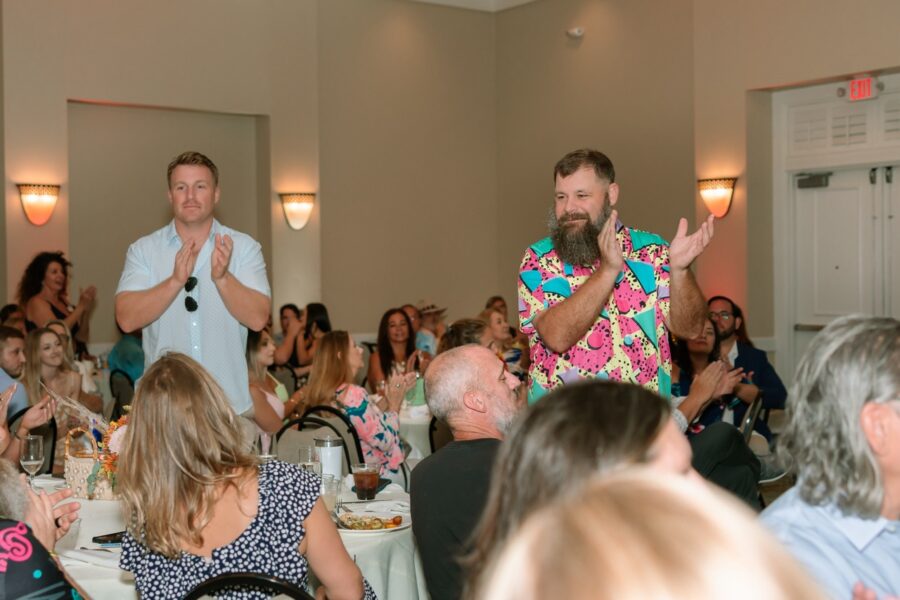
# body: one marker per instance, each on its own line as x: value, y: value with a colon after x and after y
x: 309, y: 460
x: 365, y: 478
x: 32, y: 456
x: 265, y: 447
x: 331, y: 489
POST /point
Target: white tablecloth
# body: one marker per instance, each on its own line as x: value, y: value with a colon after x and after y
x: 388, y: 560
x: 414, y: 429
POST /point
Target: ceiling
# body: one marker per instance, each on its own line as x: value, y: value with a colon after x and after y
x: 485, y: 5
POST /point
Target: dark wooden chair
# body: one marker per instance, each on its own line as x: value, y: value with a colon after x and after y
x: 439, y: 434
x: 122, y: 389
x: 251, y: 581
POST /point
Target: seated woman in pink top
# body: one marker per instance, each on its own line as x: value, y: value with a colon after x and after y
x: 271, y: 404
x: 334, y: 369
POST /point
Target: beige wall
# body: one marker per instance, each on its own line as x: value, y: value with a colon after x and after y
x: 225, y: 56
x: 625, y: 89
x: 427, y: 117
x: 117, y: 188
x: 408, y: 167
x: 744, y: 46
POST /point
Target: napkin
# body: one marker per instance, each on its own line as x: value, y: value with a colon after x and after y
x: 100, y: 557
x: 398, y: 506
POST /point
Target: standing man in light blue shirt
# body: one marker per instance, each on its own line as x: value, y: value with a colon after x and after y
x: 842, y: 519
x: 196, y: 286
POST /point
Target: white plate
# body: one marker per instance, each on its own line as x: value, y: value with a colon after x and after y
x: 381, y: 515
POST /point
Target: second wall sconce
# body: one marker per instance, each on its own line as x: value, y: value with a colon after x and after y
x: 38, y: 201
x: 297, y: 208
x: 717, y: 194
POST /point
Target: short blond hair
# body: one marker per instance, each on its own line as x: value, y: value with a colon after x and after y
x: 183, y: 442
x: 641, y: 534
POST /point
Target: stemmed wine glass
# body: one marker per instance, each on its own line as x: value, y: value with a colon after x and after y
x: 32, y: 456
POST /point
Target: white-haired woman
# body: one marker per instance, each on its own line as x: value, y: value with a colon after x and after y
x: 209, y: 507
x: 30, y: 525
x: 641, y: 534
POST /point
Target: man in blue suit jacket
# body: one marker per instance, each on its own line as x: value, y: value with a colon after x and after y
x: 738, y: 350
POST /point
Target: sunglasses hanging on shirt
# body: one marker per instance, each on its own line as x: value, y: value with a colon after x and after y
x: 189, y: 303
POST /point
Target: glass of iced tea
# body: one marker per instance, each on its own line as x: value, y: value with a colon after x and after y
x: 365, y: 478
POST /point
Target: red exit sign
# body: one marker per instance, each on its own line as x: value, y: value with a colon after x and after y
x: 863, y: 89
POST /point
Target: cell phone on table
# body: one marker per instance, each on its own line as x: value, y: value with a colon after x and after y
x: 109, y: 538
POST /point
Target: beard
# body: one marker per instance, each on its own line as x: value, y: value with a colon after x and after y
x: 727, y: 332
x: 577, y: 245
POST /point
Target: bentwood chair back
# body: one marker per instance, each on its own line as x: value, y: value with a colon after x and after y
x: 48, y: 431
x: 290, y: 440
x: 235, y: 582
x: 339, y: 422
x: 439, y: 434
x: 122, y: 389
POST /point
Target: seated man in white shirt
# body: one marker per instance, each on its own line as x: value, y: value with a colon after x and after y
x: 843, y: 432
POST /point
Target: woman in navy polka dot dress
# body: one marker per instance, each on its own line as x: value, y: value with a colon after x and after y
x: 199, y: 505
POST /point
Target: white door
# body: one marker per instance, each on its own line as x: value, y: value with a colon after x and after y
x: 892, y: 240
x: 837, y: 238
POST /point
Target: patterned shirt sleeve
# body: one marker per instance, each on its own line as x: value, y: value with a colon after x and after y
x: 531, y: 295
x: 379, y: 432
x: 661, y: 271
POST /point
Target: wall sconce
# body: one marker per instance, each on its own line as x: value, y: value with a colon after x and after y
x: 717, y: 194
x: 38, y: 201
x: 297, y: 208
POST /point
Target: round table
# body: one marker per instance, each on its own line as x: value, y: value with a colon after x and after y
x: 414, y: 429
x: 388, y: 560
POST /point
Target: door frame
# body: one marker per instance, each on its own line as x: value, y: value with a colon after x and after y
x: 784, y: 170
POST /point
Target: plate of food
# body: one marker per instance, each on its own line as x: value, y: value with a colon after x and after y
x: 372, y: 522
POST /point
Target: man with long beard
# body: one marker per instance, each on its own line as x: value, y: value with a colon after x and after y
x: 596, y: 298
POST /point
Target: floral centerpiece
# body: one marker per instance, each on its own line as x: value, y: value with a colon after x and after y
x: 109, y: 446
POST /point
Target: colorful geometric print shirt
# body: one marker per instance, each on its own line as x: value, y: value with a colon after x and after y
x: 627, y: 342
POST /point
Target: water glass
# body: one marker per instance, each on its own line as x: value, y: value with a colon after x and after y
x: 32, y: 456
x: 309, y: 460
x: 265, y: 447
x: 331, y: 490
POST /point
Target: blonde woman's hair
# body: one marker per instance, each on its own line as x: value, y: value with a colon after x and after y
x: 330, y: 368
x: 641, y: 534
x: 182, y: 445
x: 68, y: 346
x: 31, y: 376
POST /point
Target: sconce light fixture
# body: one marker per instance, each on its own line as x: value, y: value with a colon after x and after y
x: 38, y: 201
x: 297, y: 208
x: 717, y: 194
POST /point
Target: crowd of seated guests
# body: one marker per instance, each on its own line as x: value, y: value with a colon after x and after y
x: 496, y: 503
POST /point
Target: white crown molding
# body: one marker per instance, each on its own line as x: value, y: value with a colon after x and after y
x: 491, y: 6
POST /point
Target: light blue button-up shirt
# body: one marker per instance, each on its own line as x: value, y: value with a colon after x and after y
x: 19, y: 399
x: 838, y: 550
x: 210, y: 335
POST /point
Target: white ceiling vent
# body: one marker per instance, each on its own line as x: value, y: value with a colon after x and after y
x: 809, y: 130
x: 848, y: 127
x: 892, y: 119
